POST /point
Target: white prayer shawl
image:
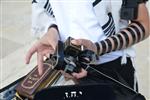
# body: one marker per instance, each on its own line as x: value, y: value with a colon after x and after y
x: 107, y: 21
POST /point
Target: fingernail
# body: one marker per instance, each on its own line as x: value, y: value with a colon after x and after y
x: 40, y: 72
x: 27, y: 62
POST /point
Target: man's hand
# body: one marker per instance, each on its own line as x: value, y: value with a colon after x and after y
x: 41, y: 50
x: 81, y: 74
x: 89, y: 45
x: 45, y: 46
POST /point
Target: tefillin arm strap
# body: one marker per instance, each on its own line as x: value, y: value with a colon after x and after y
x: 57, y: 59
x: 133, y: 34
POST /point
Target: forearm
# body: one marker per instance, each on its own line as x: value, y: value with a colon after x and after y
x: 137, y: 31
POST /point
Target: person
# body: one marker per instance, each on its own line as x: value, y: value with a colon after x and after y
x: 97, y: 25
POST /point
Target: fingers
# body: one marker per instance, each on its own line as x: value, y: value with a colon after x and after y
x: 40, y: 63
x: 86, y: 43
x: 82, y: 74
x: 77, y: 42
x: 66, y: 75
x: 30, y: 53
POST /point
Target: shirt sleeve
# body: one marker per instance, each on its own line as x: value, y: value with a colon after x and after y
x: 42, y: 17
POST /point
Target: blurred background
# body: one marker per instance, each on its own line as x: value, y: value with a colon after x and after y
x: 15, y: 40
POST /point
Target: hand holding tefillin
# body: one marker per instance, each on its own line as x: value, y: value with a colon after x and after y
x: 72, y: 58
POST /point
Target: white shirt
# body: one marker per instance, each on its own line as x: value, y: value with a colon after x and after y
x: 79, y: 19
x: 76, y: 19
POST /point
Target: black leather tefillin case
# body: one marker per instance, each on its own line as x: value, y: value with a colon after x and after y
x: 129, y: 9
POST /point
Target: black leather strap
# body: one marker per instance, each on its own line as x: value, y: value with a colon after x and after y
x: 58, y: 57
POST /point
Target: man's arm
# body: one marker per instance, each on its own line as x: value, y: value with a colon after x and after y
x: 137, y: 31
